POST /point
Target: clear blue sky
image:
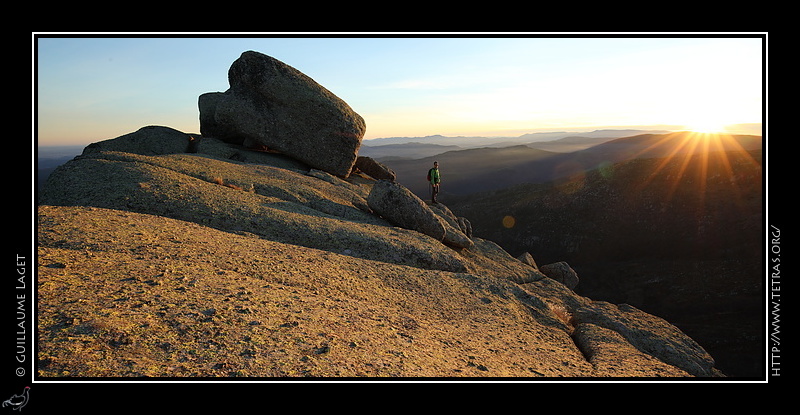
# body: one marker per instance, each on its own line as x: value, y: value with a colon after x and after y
x: 94, y: 88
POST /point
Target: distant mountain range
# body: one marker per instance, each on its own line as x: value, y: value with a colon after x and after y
x: 472, y: 170
x: 419, y: 147
x: 409, y: 150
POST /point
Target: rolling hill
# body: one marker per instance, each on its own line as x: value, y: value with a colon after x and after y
x: 494, y: 141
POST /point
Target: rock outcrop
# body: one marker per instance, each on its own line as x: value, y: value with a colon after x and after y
x: 163, y: 253
x: 273, y: 105
x: 643, y: 333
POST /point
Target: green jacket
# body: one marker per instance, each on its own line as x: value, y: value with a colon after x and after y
x: 433, y: 176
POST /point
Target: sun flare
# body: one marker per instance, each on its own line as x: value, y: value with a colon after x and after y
x: 702, y: 154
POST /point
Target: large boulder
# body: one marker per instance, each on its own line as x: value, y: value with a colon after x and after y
x: 402, y: 208
x: 561, y: 272
x: 271, y: 104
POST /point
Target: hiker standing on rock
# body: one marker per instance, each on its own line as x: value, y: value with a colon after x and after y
x: 434, y: 179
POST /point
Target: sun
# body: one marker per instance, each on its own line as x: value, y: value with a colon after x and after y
x: 707, y: 127
x: 708, y: 122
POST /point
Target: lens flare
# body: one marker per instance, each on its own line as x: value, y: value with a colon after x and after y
x: 713, y: 149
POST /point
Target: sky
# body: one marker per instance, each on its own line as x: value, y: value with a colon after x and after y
x: 90, y: 87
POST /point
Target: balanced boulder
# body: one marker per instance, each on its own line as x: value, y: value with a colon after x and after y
x: 271, y: 104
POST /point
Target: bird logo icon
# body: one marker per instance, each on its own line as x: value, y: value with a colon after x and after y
x: 18, y: 401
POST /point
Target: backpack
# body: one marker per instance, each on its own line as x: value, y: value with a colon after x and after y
x: 429, y: 174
